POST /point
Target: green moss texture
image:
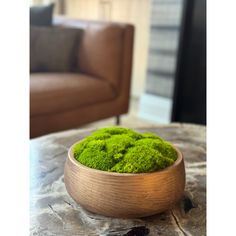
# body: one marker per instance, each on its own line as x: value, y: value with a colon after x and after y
x: 123, y: 150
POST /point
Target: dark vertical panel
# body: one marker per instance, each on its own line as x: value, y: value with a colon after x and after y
x: 189, y: 101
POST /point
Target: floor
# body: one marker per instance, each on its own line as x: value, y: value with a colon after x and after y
x: 129, y: 120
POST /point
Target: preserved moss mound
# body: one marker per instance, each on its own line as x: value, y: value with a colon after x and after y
x: 123, y: 150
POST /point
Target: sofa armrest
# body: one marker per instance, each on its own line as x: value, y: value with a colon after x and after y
x: 105, y: 51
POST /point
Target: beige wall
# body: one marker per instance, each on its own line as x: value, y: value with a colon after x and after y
x: 131, y: 11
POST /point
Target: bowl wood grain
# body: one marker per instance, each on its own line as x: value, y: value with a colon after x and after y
x: 124, y: 195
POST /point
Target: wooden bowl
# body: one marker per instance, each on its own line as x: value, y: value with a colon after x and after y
x: 124, y: 195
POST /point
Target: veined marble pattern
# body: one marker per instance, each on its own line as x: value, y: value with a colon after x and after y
x: 53, y: 211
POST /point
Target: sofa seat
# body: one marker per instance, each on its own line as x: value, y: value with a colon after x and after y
x: 59, y: 92
x: 98, y: 87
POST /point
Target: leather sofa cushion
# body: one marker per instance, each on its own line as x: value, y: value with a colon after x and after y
x: 41, y: 15
x: 57, y: 92
x: 100, y: 52
x: 52, y: 49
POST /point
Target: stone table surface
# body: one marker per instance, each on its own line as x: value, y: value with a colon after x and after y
x: 54, y: 212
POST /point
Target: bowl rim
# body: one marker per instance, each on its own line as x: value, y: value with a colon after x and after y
x: 167, y: 169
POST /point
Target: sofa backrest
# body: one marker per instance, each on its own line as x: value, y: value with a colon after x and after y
x: 104, y: 48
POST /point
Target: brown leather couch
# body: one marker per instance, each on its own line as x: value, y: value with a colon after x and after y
x: 100, y: 89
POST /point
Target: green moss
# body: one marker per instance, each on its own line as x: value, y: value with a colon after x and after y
x: 152, y: 136
x: 123, y: 150
x: 117, y: 145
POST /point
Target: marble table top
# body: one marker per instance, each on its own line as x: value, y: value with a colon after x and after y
x: 53, y: 211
